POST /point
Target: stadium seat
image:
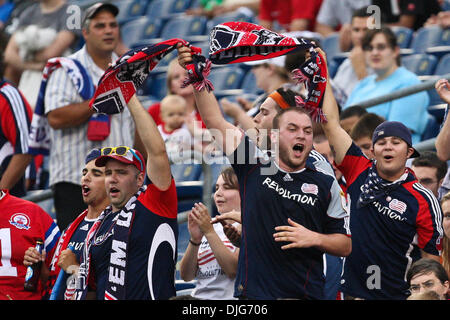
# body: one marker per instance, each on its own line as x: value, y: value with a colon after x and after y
x: 166, y: 8
x: 421, y: 64
x: 189, y: 192
x: 438, y: 111
x: 185, y: 27
x: 186, y: 172
x: 427, y: 37
x: 141, y: 28
x: 431, y: 129
x: 158, y: 85
x: 330, y: 45
x: 403, y: 35
x: 249, y: 84
x: 443, y: 66
x: 129, y: 10
x: 226, y: 78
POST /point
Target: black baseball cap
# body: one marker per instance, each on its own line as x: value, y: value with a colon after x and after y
x: 394, y: 129
x: 92, y: 11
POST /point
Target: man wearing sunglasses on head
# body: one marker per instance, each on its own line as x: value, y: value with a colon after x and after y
x: 130, y: 251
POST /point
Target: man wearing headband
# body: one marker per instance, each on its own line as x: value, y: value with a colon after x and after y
x: 291, y: 213
x: 394, y: 219
x: 94, y: 195
x: 130, y: 251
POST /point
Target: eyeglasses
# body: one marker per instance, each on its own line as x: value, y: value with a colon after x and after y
x: 120, y: 151
x: 414, y: 288
x: 379, y: 47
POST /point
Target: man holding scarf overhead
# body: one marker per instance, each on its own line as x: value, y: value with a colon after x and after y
x: 291, y: 214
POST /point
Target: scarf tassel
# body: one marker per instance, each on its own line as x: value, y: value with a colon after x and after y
x: 198, y: 72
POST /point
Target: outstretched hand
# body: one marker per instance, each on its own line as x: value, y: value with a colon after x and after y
x: 443, y: 89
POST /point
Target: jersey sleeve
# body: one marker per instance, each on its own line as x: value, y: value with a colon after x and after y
x: 428, y: 221
x: 354, y: 163
x: 51, y: 237
x: 60, y: 91
x: 338, y: 217
x: 162, y: 203
x: 246, y: 156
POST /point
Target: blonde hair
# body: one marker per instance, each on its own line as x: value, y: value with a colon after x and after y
x: 446, y: 242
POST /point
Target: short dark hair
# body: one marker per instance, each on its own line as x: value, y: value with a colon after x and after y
x: 361, y: 13
x: 352, y: 111
x: 430, y: 159
x: 3, y: 42
x: 276, y: 119
x: 390, y: 36
x: 424, y: 266
x: 230, y: 178
x: 366, y: 126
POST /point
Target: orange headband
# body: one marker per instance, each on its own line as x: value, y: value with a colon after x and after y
x: 279, y: 99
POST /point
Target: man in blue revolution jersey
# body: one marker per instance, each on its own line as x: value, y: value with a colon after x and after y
x: 394, y: 219
x: 290, y: 214
x: 130, y: 250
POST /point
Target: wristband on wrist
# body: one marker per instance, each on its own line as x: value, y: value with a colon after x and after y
x: 194, y: 243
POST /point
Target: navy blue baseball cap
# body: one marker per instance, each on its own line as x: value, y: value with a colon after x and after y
x: 394, y: 129
x: 92, y: 155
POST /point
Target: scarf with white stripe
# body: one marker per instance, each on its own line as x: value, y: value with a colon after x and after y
x: 121, y: 229
x: 39, y: 138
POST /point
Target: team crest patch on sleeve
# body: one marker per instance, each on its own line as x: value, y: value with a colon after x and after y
x: 20, y: 221
x: 310, y: 188
x: 397, y: 205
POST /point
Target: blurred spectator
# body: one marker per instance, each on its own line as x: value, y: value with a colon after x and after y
x: 442, y: 19
x: 15, y: 120
x: 210, y: 257
x: 335, y: 14
x: 354, y: 68
x: 428, y: 275
x: 291, y: 15
x: 350, y: 116
x: 213, y: 8
x: 6, y: 7
x: 175, y: 77
x: 445, y: 205
x: 443, y: 139
x: 362, y: 133
x: 383, y: 56
x: 42, y: 33
x: 407, y: 13
x: 429, y: 170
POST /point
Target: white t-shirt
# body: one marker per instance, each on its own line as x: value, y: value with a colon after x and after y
x: 212, y: 282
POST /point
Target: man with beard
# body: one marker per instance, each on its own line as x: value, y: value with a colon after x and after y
x: 290, y: 213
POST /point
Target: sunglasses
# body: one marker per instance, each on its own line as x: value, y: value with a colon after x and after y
x: 120, y: 151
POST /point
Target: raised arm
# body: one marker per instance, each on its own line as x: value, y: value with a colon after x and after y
x: 338, y: 138
x: 226, y: 135
x: 443, y: 139
x: 158, y: 167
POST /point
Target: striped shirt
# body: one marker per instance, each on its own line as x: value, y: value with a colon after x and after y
x: 70, y: 145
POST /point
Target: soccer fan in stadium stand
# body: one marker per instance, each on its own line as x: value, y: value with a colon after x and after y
x: 65, y: 258
x: 394, y: 221
x: 15, y: 117
x: 130, y: 251
x: 210, y: 256
x: 354, y: 68
x: 21, y: 223
x: 383, y: 55
x: 430, y: 171
x: 362, y: 132
x: 275, y: 200
x: 350, y: 116
x: 443, y: 139
x: 42, y: 33
x: 428, y: 275
x: 73, y: 129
